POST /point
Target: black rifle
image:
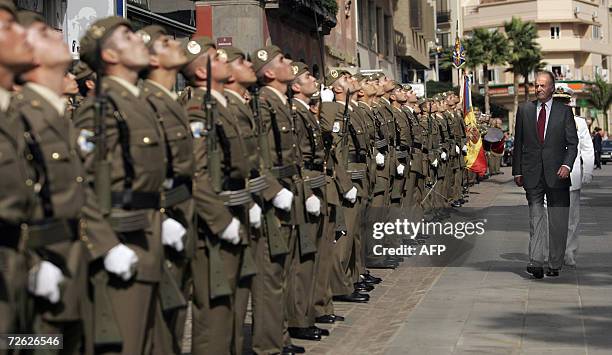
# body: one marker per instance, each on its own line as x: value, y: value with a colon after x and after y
x: 102, y: 167
x: 345, y: 122
x: 212, y: 148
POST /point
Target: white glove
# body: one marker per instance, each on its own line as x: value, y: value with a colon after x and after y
x: 464, y: 148
x: 44, y: 280
x: 255, y: 216
x: 283, y: 200
x: 443, y: 156
x: 587, y: 178
x: 351, y: 195
x: 231, y: 233
x: 400, y: 169
x: 457, y: 149
x: 172, y: 234
x: 380, y: 159
x: 313, y: 205
x: 327, y: 95
x: 435, y: 163
x: 121, y: 261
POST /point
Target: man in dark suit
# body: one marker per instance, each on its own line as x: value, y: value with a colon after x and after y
x: 545, y: 148
x: 597, y: 147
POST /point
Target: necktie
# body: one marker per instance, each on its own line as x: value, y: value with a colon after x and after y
x: 542, y: 123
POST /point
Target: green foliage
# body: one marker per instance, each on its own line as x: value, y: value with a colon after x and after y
x: 330, y: 6
x: 497, y: 111
x: 600, y: 96
x: 487, y: 48
x: 525, y: 53
x: 436, y: 87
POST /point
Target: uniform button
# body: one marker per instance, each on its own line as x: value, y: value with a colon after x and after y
x: 79, y: 179
x: 55, y: 155
x: 146, y: 140
x: 35, y: 103
x: 29, y: 157
x: 162, y: 210
x: 179, y: 134
x: 29, y: 182
x: 293, y: 145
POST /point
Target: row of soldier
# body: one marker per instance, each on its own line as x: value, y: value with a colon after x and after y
x: 120, y: 209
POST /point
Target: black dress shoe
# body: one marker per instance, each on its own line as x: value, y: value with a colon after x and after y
x: 456, y: 204
x: 535, y: 271
x: 322, y: 332
x: 362, y: 287
x: 552, y: 273
x: 304, y: 333
x: 326, y: 319
x: 338, y: 318
x: 367, y: 277
x: 353, y: 297
x: 293, y: 349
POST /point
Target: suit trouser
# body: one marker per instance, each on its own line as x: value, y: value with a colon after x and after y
x: 13, y: 291
x: 322, y: 295
x: 301, y: 279
x: 214, y: 320
x: 269, y: 290
x: 558, y: 201
x: 344, y: 268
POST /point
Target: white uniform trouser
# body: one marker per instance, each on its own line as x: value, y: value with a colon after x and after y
x: 572, y: 229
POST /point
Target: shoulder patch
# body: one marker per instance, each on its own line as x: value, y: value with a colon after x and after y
x: 197, y: 129
x: 336, y: 127
x: 85, y: 141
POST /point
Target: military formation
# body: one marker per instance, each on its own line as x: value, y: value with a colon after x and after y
x: 124, y: 205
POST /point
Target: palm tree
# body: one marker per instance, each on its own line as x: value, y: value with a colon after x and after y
x: 525, y: 53
x: 600, y: 93
x: 486, y: 48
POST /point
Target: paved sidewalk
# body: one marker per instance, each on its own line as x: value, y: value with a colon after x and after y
x: 484, y: 303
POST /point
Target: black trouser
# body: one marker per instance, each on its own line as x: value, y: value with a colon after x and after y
x: 598, y: 159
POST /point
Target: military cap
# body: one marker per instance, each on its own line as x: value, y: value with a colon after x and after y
x: 563, y: 93
x: 9, y: 6
x: 150, y: 34
x: 299, y: 68
x: 332, y: 76
x: 26, y: 18
x: 81, y: 71
x: 232, y: 53
x: 263, y: 56
x: 197, y: 46
x: 407, y: 87
x: 95, y: 36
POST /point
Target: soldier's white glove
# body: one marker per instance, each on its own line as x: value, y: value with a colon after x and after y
x: 121, y: 261
x: 283, y: 200
x: 231, y: 233
x: 313, y: 205
x: 435, y: 163
x: 587, y: 178
x: 173, y: 233
x: 351, y: 195
x: 464, y: 148
x: 327, y: 95
x: 44, y: 280
x: 255, y: 216
x: 457, y: 149
x: 443, y: 156
x: 400, y: 169
x: 380, y: 159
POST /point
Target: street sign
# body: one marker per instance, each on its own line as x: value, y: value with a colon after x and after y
x: 418, y: 88
x: 224, y: 41
x: 80, y: 15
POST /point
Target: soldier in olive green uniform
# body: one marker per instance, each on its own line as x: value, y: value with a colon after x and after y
x: 222, y: 198
x: 263, y: 186
x: 17, y: 195
x: 336, y: 123
x: 312, y: 266
x: 167, y: 57
x: 132, y: 161
x: 460, y: 137
x: 401, y: 195
x: 275, y: 254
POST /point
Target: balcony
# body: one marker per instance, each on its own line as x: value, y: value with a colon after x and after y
x: 443, y: 16
x: 411, y: 45
x: 302, y: 12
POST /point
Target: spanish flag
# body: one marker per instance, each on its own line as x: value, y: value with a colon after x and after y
x: 475, y: 159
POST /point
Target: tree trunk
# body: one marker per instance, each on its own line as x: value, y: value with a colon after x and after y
x: 515, y: 103
x: 526, y: 86
x: 485, y: 79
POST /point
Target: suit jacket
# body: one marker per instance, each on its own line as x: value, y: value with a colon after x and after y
x: 533, y: 159
x: 597, y: 142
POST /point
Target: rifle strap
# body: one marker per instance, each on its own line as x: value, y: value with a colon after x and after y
x: 225, y: 147
x: 276, y: 132
x: 128, y: 161
x: 169, y: 157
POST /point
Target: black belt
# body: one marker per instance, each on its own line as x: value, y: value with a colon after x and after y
x: 179, y: 193
x: 39, y: 234
x: 417, y: 145
x: 137, y: 200
x: 313, y: 166
x: 284, y: 171
x: 356, y: 158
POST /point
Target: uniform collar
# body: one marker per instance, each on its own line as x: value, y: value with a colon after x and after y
x: 53, y: 99
x: 133, y: 89
x: 344, y: 103
x: 364, y: 103
x: 236, y: 95
x: 385, y: 100
x: 280, y: 95
x: 219, y: 97
x: 302, y: 102
x: 171, y: 94
x: 5, y: 99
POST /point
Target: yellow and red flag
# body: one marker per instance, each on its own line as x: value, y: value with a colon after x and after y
x: 475, y: 160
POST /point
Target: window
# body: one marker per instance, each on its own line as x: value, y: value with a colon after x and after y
x: 388, y: 35
x: 380, y: 21
x: 372, y: 25
x: 555, y: 31
x: 596, y: 32
x: 362, y: 20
